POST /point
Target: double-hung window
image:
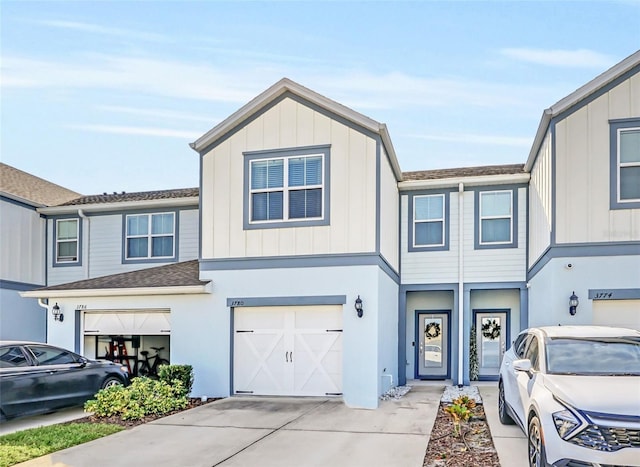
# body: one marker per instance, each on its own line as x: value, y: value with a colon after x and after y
x: 67, y: 234
x: 625, y: 164
x: 286, y: 187
x: 428, y: 220
x: 496, y: 217
x: 150, y: 236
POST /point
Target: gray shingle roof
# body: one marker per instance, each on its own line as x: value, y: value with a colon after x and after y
x: 507, y: 169
x: 31, y: 188
x: 137, y: 196
x: 182, y: 274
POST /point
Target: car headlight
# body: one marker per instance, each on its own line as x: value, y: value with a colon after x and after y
x: 566, y: 423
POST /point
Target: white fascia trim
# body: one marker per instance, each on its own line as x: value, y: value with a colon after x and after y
x: 183, y: 290
x: 273, y: 93
x: 102, y: 207
x: 21, y: 200
x: 391, y: 152
x: 468, y: 181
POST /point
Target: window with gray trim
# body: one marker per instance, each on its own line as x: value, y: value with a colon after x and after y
x: 627, y: 162
x: 496, y: 217
x: 286, y: 188
x: 428, y: 220
x: 150, y: 236
x: 67, y: 233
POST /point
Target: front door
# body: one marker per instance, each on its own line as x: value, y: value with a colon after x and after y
x: 432, y: 349
x: 491, y: 338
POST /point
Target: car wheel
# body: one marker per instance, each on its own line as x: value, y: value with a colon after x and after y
x: 111, y: 381
x: 504, y: 416
x: 537, y: 456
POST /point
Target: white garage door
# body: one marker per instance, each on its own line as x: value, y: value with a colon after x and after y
x: 293, y: 351
x: 127, y: 323
x: 623, y: 313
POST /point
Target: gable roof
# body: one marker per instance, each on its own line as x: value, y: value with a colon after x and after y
x: 170, y: 277
x: 30, y: 189
x: 629, y: 65
x: 283, y: 86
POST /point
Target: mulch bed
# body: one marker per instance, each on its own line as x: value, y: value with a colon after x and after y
x: 474, y: 448
x: 116, y: 420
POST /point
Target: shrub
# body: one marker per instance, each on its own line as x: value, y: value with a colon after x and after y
x: 143, y: 397
x: 182, y: 373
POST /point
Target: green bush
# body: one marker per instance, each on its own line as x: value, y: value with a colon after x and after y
x: 182, y: 373
x: 143, y: 397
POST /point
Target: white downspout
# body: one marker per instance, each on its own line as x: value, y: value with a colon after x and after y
x: 83, y: 216
x: 460, y: 282
x: 46, y: 319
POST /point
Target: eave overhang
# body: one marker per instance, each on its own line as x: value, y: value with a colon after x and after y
x: 120, y: 206
x: 454, y: 182
x: 119, y: 292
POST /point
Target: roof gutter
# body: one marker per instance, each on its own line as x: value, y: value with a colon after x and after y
x: 118, y: 206
x: 543, y: 127
x: 176, y: 290
x: 468, y: 181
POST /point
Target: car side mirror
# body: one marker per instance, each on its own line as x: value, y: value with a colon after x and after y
x: 82, y: 362
x: 523, y: 365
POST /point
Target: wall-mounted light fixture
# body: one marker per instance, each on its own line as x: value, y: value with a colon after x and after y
x: 57, y: 313
x: 358, y: 305
x: 573, y: 303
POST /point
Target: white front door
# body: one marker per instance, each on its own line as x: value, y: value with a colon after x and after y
x: 288, y: 350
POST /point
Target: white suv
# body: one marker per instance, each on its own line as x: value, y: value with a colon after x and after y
x: 575, y: 392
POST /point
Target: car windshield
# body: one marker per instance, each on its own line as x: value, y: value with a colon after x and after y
x: 593, y: 356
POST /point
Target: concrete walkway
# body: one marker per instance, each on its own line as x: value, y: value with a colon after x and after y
x: 36, y: 421
x: 242, y: 431
x: 509, y: 440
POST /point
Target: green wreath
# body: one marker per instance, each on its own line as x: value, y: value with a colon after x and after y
x: 432, y: 330
x: 491, y: 329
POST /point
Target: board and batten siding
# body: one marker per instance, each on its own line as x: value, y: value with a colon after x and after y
x: 102, y: 248
x: 429, y: 267
x: 582, y: 170
x: 540, y: 211
x: 22, y: 234
x: 290, y: 124
x: 389, y: 216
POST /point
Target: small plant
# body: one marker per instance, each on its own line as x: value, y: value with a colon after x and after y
x: 144, y: 397
x: 460, y: 411
x: 182, y: 373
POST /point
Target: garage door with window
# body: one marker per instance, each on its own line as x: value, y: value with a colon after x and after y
x: 291, y: 350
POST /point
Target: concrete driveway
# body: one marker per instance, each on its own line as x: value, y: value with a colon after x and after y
x: 243, y: 431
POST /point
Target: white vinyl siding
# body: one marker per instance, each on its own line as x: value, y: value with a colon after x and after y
x: 540, y: 203
x: 67, y: 241
x: 150, y: 236
x: 352, y: 188
x: 428, y: 220
x: 22, y: 244
x: 583, y: 163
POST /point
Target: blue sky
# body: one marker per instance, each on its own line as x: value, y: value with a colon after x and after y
x: 105, y: 96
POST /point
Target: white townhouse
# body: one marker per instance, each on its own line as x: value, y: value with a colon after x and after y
x: 23, y: 250
x: 584, y: 201
x: 306, y: 263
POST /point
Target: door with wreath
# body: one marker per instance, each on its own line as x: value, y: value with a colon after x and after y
x: 432, y: 345
x: 491, y: 340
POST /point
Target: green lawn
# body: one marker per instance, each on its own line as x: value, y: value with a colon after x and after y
x: 29, y: 444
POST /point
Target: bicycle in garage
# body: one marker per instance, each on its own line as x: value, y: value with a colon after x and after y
x: 149, y: 365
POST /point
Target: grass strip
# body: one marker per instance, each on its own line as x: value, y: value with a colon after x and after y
x: 35, y: 442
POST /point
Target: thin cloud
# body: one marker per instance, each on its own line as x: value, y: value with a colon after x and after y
x: 237, y: 85
x: 581, y: 58
x: 102, y: 30
x: 466, y: 138
x: 158, y: 113
x: 139, y: 131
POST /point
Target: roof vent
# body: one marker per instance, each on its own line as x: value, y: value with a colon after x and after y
x: 104, y: 193
x: 123, y: 192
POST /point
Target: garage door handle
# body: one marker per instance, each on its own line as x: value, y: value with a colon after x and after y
x: 286, y: 357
